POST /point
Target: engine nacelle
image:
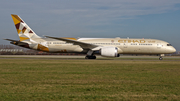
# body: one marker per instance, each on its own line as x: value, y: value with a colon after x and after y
x: 109, y: 51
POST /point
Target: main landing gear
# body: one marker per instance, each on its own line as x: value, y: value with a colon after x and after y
x: 90, y: 57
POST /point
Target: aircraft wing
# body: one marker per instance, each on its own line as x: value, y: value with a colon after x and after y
x: 82, y: 44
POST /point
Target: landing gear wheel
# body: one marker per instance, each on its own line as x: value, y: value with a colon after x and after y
x: 160, y: 58
x: 87, y: 57
x: 90, y: 57
x: 93, y: 57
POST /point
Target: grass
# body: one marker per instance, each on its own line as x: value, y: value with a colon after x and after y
x: 63, y: 79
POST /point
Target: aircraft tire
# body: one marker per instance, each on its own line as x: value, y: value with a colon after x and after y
x: 160, y: 58
x: 93, y: 57
x: 90, y: 57
x: 87, y: 57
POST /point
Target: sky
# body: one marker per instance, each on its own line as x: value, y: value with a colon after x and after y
x: 151, y: 19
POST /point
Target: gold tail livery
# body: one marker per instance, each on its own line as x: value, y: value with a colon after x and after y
x: 107, y: 47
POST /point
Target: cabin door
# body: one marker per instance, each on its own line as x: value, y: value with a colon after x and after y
x: 125, y: 45
x: 44, y: 44
x: 159, y: 45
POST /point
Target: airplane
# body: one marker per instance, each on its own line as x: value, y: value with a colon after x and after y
x: 107, y: 47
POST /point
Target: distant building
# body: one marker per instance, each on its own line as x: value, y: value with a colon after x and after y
x: 11, y: 50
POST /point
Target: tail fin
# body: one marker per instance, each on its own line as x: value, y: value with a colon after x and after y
x: 23, y: 30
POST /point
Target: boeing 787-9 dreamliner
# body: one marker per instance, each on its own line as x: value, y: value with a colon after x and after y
x: 107, y: 47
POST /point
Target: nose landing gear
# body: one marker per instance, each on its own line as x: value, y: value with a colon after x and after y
x: 160, y: 56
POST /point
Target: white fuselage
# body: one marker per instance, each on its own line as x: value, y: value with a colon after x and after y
x: 125, y: 46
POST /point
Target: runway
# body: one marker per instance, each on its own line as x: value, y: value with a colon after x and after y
x: 79, y: 57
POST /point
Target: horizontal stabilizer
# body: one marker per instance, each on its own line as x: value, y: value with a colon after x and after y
x: 16, y: 42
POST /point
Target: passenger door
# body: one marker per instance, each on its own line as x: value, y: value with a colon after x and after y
x: 159, y: 45
x: 125, y: 45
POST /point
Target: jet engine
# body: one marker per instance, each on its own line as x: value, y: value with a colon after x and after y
x: 109, y: 51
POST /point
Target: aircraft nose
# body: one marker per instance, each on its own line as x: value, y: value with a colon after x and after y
x: 173, y: 50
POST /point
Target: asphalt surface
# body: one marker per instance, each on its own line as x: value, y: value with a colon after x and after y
x: 172, y: 58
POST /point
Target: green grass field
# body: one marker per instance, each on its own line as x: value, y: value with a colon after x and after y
x: 64, y: 79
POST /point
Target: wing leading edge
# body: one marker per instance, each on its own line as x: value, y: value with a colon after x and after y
x: 81, y: 44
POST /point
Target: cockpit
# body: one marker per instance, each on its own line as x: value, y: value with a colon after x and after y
x: 169, y: 45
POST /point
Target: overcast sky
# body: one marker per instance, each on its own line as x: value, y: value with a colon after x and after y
x: 155, y: 19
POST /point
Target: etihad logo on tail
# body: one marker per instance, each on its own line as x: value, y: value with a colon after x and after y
x: 20, y: 25
x: 23, y: 30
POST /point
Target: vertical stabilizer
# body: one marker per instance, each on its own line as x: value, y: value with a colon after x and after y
x: 23, y: 30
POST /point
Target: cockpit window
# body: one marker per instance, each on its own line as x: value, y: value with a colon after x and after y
x: 169, y: 45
